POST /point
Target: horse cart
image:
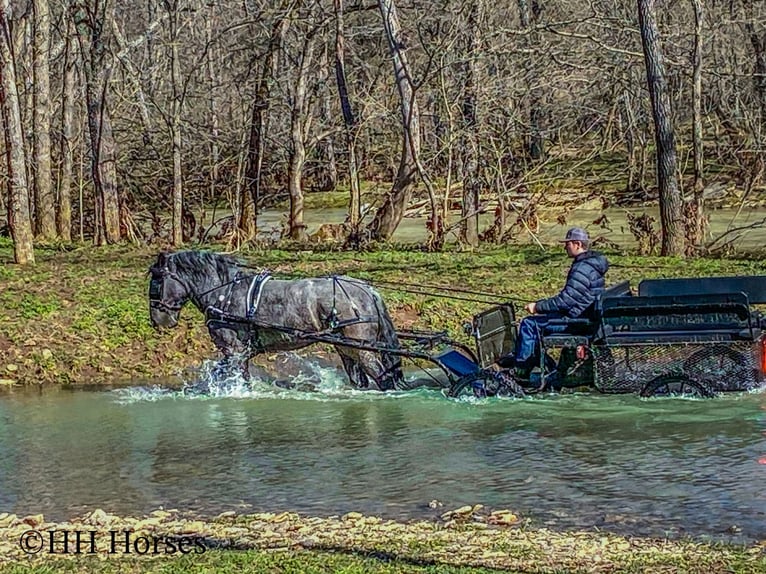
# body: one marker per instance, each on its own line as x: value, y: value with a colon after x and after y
x: 692, y: 336
x: 697, y: 336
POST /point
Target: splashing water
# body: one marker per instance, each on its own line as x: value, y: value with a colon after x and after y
x: 305, y: 379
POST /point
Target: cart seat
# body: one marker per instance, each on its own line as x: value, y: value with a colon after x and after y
x: 581, y: 331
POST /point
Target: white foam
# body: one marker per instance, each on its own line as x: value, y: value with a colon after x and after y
x: 312, y: 381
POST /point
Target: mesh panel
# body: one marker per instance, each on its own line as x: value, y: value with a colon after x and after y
x: 729, y: 366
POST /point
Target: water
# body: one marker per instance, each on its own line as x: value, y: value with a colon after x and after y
x: 616, y: 229
x: 650, y: 467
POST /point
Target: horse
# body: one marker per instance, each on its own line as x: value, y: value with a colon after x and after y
x: 250, y: 313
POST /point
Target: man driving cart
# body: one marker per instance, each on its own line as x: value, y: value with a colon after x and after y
x: 585, y: 282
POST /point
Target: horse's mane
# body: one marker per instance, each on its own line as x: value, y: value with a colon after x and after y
x: 204, y: 265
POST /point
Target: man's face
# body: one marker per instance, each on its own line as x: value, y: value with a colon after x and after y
x: 573, y: 248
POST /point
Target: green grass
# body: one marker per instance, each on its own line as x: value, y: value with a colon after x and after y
x: 292, y: 562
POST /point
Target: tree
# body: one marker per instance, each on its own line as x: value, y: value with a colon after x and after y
x: 390, y: 214
x: 259, y: 121
x: 64, y: 212
x: 671, y: 214
x: 45, y: 211
x: 90, y: 22
x: 18, y: 190
x: 300, y: 123
x: 470, y: 134
x: 529, y: 13
x: 176, y: 105
x: 349, y: 122
x: 697, y: 223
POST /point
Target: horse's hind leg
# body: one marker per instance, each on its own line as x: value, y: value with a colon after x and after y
x: 353, y: 368
x: 385, y: 379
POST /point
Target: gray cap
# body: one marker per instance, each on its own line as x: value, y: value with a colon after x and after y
x: 576, y: 234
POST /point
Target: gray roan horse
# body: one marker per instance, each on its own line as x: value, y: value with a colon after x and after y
x: 249, y: 313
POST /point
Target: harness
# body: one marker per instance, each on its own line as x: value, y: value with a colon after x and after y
x: 254, y: 292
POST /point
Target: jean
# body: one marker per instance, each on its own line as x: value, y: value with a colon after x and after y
x: 528, y: 343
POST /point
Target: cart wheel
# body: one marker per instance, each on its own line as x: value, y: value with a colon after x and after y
x: 719, y: 361
x: 485, y: 384
x: 675, y: 385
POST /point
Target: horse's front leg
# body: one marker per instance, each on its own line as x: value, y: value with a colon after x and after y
x: 235, y: 353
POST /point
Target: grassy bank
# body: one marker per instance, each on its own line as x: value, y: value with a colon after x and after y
x: 81, y: 315
x: 468, y: 541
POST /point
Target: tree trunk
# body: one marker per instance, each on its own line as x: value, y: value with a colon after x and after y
x: 90, y: 25
x: 18, y: 190
x: 212, y: 80
x: 64, y: 213
x: 758, y: 43
x: 529, y: 13
x: 697, y: 232
x: 469, y: 145
x: 329, y: 179
x: 175, y: 71
x: 248, y: 202
x: 671, y: 213
x: 300, y: 120
x: 349, y: 121
x: 390, y: 214
x: 45, y: 200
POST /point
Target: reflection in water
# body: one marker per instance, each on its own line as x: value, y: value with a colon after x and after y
x: 655, y: 467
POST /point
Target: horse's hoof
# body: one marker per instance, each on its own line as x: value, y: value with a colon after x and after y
x: 284, y: 384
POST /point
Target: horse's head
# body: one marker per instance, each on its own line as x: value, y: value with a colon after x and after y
x: 168, y: 292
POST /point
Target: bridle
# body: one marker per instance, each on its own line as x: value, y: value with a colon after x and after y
x: 157, y: 291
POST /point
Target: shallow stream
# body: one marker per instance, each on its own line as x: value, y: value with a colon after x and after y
x: 657, y: 467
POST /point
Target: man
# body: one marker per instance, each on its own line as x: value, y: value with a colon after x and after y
x: 585, y: 281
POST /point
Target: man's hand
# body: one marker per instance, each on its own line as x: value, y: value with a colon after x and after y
x: 530, y: 307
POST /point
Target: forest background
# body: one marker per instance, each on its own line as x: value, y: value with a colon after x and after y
x: 149, y: 121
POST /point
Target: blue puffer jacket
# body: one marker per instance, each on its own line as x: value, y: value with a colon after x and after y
x: 585, y: 281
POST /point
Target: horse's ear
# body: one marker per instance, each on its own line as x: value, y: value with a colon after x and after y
x: 162, y: 259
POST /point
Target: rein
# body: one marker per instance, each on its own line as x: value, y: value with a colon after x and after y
x: 419, y: 289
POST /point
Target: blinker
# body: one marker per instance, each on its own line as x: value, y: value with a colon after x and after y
x: 155, y: 289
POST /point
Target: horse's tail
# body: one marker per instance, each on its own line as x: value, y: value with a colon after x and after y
x: 392, y: 377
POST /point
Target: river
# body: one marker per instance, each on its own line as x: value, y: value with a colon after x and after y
x: 658, y: 467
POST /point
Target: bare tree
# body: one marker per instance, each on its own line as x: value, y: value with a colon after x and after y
x: 469, y: 145
x: 18, y: 190
x: 175, y: 121
x: 91, y: 21
x: 671, y: 215
x: 65, y: 180
x: 259, y: 121
x: 390, y: 214
x: 45, y: 211
x: 529, y: 12
x: 349, y: 121
x: 300, y: 124
x: 697, y: 223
